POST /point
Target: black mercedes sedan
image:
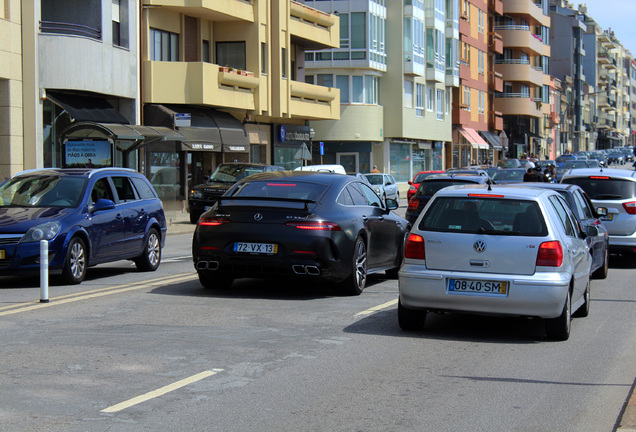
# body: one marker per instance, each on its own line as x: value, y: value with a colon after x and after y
x: 299, y: 224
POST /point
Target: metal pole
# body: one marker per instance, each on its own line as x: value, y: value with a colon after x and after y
x: 44, y: 271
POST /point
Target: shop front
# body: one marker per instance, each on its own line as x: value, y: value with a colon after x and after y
x: 288, y: 141
x: 407, y: 158
x: 354, y: 156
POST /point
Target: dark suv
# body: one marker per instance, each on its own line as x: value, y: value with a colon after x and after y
x: 431, y: 184
x: 204, y: 196
x: 88, y: 216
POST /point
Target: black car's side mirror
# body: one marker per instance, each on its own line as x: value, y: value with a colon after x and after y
x: 591, y: 231
x: 102, y: 204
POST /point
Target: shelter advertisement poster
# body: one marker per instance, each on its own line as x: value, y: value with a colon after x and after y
x: 88, y: 154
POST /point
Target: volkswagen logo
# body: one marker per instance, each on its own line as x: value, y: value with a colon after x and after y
x: 258, y: 217
x: 479, y: 246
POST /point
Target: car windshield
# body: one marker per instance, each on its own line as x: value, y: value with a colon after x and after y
x: 374, y: 179
x: 486, y: 215
x: 281, y: 189
x: 605, y: 188
x: 430, y: 188
x: 42, y: 191
x: 575, y: 164
x: 504, y: 175
x: 231, y: 173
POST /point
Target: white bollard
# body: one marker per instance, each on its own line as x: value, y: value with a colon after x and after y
x: 44, y: 271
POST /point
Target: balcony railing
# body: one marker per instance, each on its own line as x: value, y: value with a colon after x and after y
x: 66, y: 28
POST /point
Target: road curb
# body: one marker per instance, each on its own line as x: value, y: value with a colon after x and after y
x: 628, y: 419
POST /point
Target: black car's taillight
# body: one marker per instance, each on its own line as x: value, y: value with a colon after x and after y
x: 414, y: 203
x: 212, y: 221
x: 315, y: 226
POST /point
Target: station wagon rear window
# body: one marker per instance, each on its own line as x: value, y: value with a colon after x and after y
x: 475, y: 215
x: 604, y: 187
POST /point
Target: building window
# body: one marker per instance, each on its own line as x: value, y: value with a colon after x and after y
x: 481, y: 58
x: 419, y: 99
x: 482, y: 102
x: 116, y: 23
x: 372, y: 90
x: 440, y: 104
x: 481, y: 21
x: 205, y: 51
x: 358, y: 30
x: 264, y: 57
x: 283, y: 59
x: 325, y: 80
x: 430, y: 98
x: 357, y: 87
x: 231, y: 54
x: 342, y: 83
x: 164, y: 45
x: 408, y: 94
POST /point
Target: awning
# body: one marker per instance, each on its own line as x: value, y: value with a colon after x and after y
x: 214, y: 130
x: 473, y: 138
x: 87, y: 108
x: 492, y: 139
x: 533, y: 135
x: 125, y: 136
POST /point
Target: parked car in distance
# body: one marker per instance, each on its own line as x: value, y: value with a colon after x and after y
x: 415, y: 183
x: 88, y: 217
x: 615, y: 157
x: 586, y: 215
x: 509, y: 175
x: 430, y: 185
x: 302, y: 225
x: 202, y: 197
x: 384, y: 185
x: 500, y: 250
x: 628, y: 153
x: 599, y: 156
x: 615, y: 191
x: 338, y: 169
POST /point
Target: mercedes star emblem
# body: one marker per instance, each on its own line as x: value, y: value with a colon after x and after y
x: 258, y: 217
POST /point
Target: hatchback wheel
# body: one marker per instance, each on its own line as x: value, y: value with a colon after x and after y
x: 559, y: 328
x: 410, y: 319
x: 151, y: 256
x: 74, y: 270
x: 601, y: 272
x: 584, y: 310
x: 355, y: 283
x: 213, y: 281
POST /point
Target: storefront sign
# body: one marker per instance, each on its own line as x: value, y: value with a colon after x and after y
x: 182, y: 119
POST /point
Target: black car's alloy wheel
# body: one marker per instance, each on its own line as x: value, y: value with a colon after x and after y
x: 151, y: 256
x: 74, y: 270
x: 355, y: 283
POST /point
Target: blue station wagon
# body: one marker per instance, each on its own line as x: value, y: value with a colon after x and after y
x: 88, y: 216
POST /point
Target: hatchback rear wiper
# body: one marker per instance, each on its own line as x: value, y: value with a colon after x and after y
x: 496, y: 231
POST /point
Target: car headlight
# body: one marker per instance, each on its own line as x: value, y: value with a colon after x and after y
x: 196, y: 194
x: 45, y: 231
x: 377, y: 190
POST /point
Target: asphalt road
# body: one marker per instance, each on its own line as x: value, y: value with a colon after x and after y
x: 131, y: 351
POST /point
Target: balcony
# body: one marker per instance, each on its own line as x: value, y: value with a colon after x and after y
x: 313, y: 101
x: 526, y: 9
x: 518, y: 70
x: 198, y: 83
x: 496, y: 6
x: 316, y: 29
x: 495, y: 42
x: 517, y: 104
x: 217, y: 10
x: 495, y: 120
x: 520, y: 36
x: 496, y: 81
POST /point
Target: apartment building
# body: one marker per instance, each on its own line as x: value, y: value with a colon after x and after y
x: 524, y: 65
x: 471, y: 107
x: 11, y: 144
x: 396, y: 67
x: 630, y: 71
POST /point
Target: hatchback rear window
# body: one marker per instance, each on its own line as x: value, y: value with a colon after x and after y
x: 484, y: 215
x: 281, y: 189
x: 607, y: 188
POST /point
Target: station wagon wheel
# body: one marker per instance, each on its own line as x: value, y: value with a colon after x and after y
x: 356, y: 282
x: 584, y: 310
x: 559, y: 328
x: 212, y: 281
x: 410, y: 319
x: 74, y: 270
x: 150, y: 258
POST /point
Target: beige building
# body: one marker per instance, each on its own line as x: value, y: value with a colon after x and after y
x: 11, y: 143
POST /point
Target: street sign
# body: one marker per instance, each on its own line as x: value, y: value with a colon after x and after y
x: 303, y: 153
x: 322, y: 148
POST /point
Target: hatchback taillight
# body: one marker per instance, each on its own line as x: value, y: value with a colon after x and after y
x: 630, y: 207
x: 550, y: 254
x: 414, y: 203
x: 212, y: 221
x: 315, y: 226
x: 414, y: 247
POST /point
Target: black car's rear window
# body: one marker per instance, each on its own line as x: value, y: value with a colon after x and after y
x: 484, y: 215
x: 281, y: 189
x: 605, y: 188
x: 431, y: 187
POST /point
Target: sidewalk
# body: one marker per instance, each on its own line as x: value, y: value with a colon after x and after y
x: 628, y: 421
x: 179, y: 223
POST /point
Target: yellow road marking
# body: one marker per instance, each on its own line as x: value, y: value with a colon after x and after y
x: 159, y: 392
x: 85, y: 295
x: 376, y: 308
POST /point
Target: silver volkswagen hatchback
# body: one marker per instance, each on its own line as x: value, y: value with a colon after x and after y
x: 512, y: 251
